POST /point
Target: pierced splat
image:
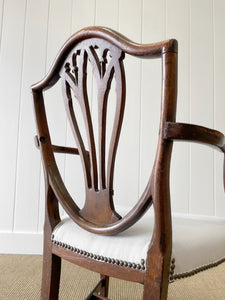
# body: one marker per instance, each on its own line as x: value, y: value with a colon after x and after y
x: 107, y: 63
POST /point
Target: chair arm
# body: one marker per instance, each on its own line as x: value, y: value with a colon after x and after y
x: 194, y: 133
x: 60, y: 149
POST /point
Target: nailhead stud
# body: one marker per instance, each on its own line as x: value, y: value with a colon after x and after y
x: 138, y: 266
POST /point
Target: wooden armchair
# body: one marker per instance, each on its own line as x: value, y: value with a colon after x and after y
x: 96, y: 236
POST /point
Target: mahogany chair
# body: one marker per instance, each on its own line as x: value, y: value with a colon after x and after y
x: 143, y: 253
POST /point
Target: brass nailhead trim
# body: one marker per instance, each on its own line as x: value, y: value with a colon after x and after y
x: 141, y: 266
x: 172, y: 268
x: 174, y: 277
x: 109, y: 260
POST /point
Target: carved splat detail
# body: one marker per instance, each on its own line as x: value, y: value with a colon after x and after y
x: 107, y: 63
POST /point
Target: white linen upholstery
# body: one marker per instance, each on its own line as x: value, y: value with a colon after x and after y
x: 198, y: 243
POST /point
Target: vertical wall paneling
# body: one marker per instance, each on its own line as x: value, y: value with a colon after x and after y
x: 28, y: 162
x: 10, y: 73
x: 178, y: 27
x: 153, y: 21
x: 153, y: 24
x: 1, y: 17
x: 127, y: 166
x: 83, y: 14
x: 107, y: 13
x: 59, y: 26
x: 219, y: 103
x: 73, y: 171
x: 201, y: 97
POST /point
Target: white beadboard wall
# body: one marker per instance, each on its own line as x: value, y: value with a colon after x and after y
x: 32, y: 32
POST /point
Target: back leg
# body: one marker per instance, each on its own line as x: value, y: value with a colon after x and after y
x: 50, y: 275
x: 156, y: 280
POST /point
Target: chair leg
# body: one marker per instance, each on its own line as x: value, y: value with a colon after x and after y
x: 105, y: 285
x: 156, y: 281
x: 50, y: 276
x: 155, y: 291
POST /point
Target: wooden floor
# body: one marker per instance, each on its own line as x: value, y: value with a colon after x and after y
x: 20, y: 279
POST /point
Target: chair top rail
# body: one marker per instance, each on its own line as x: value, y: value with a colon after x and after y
x: 142, y: 50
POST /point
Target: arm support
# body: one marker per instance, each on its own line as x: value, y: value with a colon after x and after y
x: 60, y: 149
x: 194, y: 133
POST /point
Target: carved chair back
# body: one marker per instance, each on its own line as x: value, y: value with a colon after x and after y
x: 105, y: 50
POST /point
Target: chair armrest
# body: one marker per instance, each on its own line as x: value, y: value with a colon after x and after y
x: 59, y: 149
x: 194, y: 133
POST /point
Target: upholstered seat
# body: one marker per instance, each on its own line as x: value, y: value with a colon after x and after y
x: 198, y: 243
